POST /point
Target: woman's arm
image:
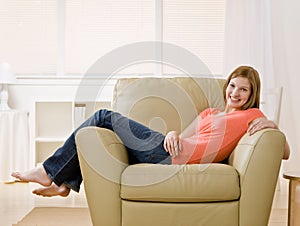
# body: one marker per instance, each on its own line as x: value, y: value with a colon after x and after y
x: 262, y: 123
x: 172, y: 140
x: 287, y: 151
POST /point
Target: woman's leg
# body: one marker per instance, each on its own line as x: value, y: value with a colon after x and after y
x: 37, y: 175
x: 52, y: 190
x: 143, y: 145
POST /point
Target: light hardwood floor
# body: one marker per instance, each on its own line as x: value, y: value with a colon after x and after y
x: 17, y: 201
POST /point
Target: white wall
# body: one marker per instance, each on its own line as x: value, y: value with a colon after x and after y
x: 286, y: 51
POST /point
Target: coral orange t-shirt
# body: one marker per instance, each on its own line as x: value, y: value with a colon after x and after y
x: 217, y: 135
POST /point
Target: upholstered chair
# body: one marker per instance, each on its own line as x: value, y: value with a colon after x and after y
x: 238, y: 191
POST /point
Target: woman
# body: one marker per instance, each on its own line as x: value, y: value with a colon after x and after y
x: 211, y: 137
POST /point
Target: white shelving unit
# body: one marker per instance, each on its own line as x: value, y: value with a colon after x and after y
x: 55, y: 121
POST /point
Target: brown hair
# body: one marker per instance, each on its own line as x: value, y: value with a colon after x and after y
x: 252, y: 75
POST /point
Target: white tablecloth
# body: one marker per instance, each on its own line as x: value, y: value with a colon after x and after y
x: 14, y: 142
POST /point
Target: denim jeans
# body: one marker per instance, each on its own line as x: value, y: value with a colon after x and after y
x: 143, y: 145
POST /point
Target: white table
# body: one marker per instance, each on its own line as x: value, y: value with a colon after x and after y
x: 14, y: 143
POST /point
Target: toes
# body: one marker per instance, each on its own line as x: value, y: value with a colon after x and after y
x: 16, y: 175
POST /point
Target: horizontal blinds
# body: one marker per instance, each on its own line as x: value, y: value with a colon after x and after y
x: 28, y: 39
x: 198, y: 26
x: 96, y: 27
x: 31, y: 39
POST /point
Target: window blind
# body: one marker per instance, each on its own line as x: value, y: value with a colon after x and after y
x: 94, y: 28
x: 198, y: 26
x: 32, y: 42
x: 28, y: 39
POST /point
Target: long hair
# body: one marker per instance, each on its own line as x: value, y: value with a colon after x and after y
x: 252, y: 75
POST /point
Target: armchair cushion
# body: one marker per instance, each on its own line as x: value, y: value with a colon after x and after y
x: 166, y: 104
x: 180, y: 183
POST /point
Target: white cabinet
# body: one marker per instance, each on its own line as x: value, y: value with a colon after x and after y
x: 55, y: 121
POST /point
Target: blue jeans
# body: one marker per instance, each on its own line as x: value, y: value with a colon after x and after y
x: 143, y: 145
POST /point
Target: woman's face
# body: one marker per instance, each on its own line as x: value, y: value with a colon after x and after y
x: 238, y: 92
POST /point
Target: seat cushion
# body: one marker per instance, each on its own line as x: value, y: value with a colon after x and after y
x: 180, y: 183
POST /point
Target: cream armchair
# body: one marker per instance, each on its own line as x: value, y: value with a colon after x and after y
x: 238, y: 192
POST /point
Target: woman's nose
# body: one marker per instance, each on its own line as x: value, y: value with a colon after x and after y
x: 235, y: 92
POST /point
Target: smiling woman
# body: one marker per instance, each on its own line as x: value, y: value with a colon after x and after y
x: 237, y: 94
x: 249, y: 81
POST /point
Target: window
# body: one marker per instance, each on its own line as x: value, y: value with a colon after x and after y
x: 62, y: 37
x: 28, y: 39
x: 197, y: 26
x: 93, y: 28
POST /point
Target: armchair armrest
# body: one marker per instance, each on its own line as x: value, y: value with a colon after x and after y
x: 102, y: 158
x: 257, y: 158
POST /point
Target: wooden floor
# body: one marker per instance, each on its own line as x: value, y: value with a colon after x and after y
x: 17, y: 201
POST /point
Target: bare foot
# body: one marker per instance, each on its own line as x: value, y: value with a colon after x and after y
x: 52, y: 190
x: 37, y: 175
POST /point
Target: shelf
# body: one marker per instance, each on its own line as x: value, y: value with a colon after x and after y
x: 45, y: 149
x: 56, y: 120
x: 53, y: 119
x: 50, y: 139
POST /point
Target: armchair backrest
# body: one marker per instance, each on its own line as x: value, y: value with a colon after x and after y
x: 166, y: 104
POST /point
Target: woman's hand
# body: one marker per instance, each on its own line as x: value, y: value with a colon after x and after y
x: 259, y: 124
x: 172, y: 143
x: 262, y: 123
